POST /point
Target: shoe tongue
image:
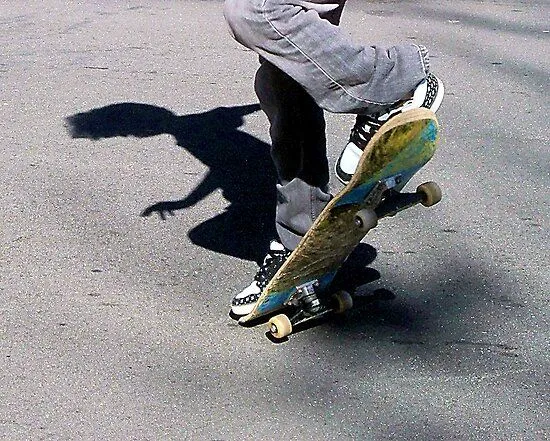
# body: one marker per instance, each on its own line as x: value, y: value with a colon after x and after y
x: 276, y: 246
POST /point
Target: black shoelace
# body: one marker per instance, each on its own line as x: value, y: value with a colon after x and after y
x: 272, y: 262
x: 362, y: 131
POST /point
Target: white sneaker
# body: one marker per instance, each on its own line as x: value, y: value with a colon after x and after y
x: 428, y: 94
x: 244, y: 302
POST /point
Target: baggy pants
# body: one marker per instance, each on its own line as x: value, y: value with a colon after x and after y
x: 308, y: 64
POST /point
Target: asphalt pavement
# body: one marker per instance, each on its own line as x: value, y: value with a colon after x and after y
x: 137, y: 196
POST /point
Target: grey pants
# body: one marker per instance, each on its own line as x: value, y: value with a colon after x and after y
x: 309, y: 64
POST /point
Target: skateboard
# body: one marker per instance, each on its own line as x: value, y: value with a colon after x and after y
x: 400, y: 148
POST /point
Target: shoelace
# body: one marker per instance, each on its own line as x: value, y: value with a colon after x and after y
x: 367, y: 125
x: 270, y: 266
x: 363, y: 130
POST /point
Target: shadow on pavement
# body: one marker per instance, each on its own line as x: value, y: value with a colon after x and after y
x: 239, y: 164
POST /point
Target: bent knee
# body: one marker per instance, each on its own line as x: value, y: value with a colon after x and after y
x: 237, y: 13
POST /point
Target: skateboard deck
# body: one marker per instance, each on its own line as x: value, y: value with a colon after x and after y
x: 400, y: 148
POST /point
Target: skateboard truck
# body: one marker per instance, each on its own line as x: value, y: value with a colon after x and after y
x: 377, y: 193
x: 309, y: 307
x: 389, y: 202
x: 305, y: 295
x: 367, y: 218
x: 427, y: 194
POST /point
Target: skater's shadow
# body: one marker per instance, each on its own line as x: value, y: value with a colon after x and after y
x: 238, y: 164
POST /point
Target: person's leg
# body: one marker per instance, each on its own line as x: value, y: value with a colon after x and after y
x: 302, y: 40
x: 340, y: 76
x: 297, y: 130
x: 297, y: 127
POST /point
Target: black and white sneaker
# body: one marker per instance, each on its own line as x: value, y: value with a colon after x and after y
x: 244, y: 302
x: 428, y: 94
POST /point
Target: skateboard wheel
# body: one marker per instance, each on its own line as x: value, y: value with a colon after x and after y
x: 430, y: 193
x: 280, y: 326
x: 366, y: 219
x: 342, y: 301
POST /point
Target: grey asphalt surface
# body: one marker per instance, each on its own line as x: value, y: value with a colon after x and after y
x: 114, y: 325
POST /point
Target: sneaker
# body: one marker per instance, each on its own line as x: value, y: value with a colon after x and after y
x: 244, y: 302
x: 429, y: 94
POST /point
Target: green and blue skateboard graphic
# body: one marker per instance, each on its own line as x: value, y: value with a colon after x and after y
x: 400, y: 148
